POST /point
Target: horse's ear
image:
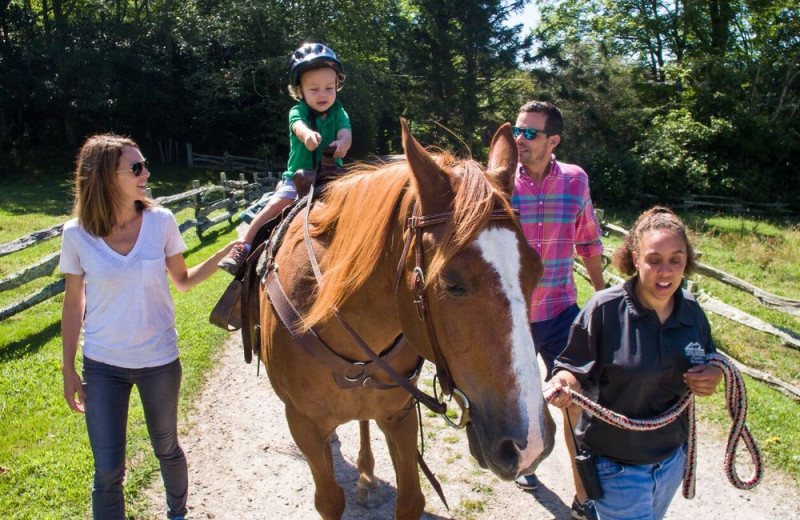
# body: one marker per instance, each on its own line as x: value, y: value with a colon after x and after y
x: 433, y: 186
x: 503, y: 157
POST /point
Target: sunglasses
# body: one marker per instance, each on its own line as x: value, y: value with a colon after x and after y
x: 138, y: 167
x: 529, y: 133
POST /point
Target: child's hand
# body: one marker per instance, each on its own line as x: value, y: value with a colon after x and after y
x: 342, y: 146
x: 312, y: 140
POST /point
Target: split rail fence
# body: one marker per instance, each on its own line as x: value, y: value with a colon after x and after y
x: 213, y: 205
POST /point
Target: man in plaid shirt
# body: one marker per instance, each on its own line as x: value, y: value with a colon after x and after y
x: 558, y: 220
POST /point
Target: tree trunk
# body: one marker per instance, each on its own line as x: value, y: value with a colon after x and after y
x: 720, y: 13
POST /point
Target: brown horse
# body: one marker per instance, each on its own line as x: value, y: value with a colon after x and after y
x: 471, y: 273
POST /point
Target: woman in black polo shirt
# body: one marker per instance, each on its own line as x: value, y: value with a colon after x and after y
x: 635, y: 349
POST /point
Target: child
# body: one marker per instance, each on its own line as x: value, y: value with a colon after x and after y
x: 318, y: 121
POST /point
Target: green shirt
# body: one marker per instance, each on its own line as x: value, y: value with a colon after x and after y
x: 300, y: 158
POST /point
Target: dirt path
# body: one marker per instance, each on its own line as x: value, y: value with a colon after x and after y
x: 244, y: 464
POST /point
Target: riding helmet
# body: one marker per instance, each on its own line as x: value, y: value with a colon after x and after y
x: 312, y: 56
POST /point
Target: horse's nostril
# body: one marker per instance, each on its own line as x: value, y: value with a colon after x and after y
x: 507, y: 455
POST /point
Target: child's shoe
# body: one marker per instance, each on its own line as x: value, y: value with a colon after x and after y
x: 235, y: 258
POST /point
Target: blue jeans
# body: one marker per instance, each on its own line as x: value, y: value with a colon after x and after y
x: 640, y: 492
x: 108, y: 390
x: 550, y: 336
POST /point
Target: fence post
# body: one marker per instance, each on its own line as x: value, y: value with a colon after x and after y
x: 228, y: 193
x: 198, y: 208
x: 189, y: 158
x: 257, y: 185
x: 227, y: 158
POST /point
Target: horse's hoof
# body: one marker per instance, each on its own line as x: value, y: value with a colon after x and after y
x: 369, y: 496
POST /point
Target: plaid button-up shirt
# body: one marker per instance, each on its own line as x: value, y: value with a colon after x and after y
x: 558, y: 221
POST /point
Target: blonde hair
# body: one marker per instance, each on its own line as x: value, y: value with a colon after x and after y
x: 657, y: 217
x: 96, y: 195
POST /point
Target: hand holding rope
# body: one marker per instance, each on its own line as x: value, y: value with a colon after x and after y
x: 736, y: 400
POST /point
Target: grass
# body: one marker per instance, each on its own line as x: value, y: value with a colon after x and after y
x: 43, y: 444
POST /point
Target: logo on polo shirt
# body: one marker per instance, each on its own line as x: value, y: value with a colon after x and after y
x: 695, y: 353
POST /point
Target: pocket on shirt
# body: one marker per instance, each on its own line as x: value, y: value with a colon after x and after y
x: 153, y: 272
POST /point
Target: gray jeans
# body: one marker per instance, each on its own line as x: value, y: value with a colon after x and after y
x: 108, y: 391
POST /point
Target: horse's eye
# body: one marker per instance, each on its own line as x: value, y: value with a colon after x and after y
x: 452, y: 287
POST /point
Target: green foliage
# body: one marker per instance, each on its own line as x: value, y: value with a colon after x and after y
x: 671, y: 95
x: 677, y: 156
x: 709, y: 105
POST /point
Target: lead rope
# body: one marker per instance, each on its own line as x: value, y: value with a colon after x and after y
x: 736, y: 399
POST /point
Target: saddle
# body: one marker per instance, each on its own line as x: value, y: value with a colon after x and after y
x: 239, y: 307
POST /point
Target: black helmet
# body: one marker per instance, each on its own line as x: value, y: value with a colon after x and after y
x: 312, y: 56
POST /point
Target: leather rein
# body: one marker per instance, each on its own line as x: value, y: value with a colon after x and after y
x: 349, y: 373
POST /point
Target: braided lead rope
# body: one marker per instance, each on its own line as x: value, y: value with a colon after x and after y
x: 736, y: 397
x: 736, y: 400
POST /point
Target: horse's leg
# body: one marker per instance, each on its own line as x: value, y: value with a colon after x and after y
x: 313, y: 442
x: 368, y: 493
x: 401, y: 437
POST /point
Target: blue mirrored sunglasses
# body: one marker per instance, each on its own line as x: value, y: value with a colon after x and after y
x: 529, y: 133
x: 138, y: 167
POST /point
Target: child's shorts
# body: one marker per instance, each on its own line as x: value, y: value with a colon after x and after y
x: 286, y: 190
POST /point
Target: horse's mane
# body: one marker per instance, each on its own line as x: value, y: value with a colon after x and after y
x: 358, y: 212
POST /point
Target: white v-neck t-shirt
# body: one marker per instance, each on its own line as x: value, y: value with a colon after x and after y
x: 130, y: 316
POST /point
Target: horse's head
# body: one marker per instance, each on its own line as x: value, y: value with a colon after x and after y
x: 479, y: 274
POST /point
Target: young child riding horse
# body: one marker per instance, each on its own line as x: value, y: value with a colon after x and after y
x: 317, y: 122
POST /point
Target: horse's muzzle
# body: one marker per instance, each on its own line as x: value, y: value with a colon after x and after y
x: 502, y: 453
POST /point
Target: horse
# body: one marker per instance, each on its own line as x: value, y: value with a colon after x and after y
x: 422, y: 259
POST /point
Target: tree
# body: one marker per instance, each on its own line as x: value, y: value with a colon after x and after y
x: 457, y: 56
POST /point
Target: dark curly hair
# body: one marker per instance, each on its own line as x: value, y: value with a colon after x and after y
x: 657, y: 217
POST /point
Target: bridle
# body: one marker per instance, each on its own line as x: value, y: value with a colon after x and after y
x: 416, y: 223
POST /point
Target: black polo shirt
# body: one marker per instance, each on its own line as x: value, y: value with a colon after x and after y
x: 629, y: 362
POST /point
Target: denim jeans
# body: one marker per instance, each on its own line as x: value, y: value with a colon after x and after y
x: 108, y: 390
x: 550, y: 336
x: 641, y: 492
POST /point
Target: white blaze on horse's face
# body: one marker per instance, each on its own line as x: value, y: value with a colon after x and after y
x: 500, y: 248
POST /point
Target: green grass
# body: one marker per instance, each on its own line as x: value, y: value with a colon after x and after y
x: 43, y: 443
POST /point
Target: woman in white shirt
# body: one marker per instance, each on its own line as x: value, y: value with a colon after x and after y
x: 115, y: 255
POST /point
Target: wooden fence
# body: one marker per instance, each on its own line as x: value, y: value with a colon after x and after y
x: 227, y: 162
x: 737, y: 206
x: 213, y: 205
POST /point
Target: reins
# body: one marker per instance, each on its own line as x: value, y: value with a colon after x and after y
x: 736, y: 399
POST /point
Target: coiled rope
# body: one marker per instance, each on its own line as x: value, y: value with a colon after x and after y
x: 736, y: 399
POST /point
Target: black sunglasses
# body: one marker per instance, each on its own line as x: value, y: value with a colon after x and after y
x: 529, y: 133
x: 138, y: 167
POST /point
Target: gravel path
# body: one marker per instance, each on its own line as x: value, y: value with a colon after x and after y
x: 244, y: 464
